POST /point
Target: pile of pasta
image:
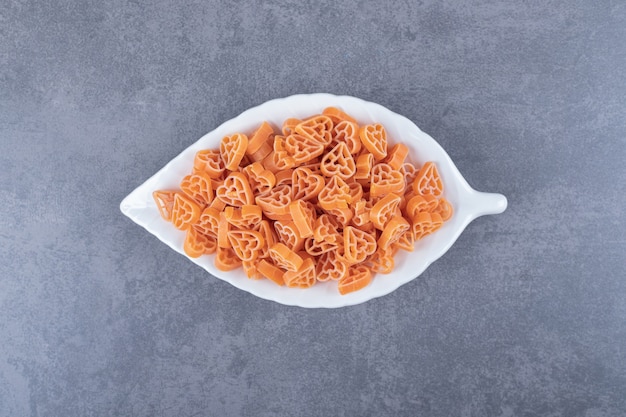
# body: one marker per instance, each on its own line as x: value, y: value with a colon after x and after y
x: 323, y: 199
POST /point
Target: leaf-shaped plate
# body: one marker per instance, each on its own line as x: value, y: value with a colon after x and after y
x: 468, y: 203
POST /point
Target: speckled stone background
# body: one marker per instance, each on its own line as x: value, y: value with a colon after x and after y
x: 524, y: 316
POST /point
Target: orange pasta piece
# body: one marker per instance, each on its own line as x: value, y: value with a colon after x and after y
x: 209, y: 161
x: 333, y: 221
x: 403, y: 199
x: 330, y: 268
x: 185, y: 212
x: 235, y: 190
x: 232, y: 149
x: 317, y: 128
x: 397, y: 155
x: 364, y: 164
x: 251, y: 270
x: 287, y: 233
x: 428, y: 181
x: 217, y: 204
x: 343, y: 215
x: 348, y: 133
x: 356, y: 192
x: 424, y: 224
x: 361, y: 215
x: 409, y: 171
x: 261, y: 180
x: 285, y: 258
x: 381, y: 261
x: 259, y: 138
x: 314, y: 165
x: 369, y: 228
x: 208, y: 223
x: 303, y: 215
x: 338, y: 162
x: 437, y: 222
x: 357, y: 278
x: 226, y: 259
x: 262, y: 153
x: 314, y: 248
x: 245, y: 217
x: 444, y: 209
x: 335, y: 195
x: 385, y: 180
x: 337, y: 115
x: 305, y: 184
x: 325, y: 236
x: 406, y: 241
x: 196, y: 244
x: 275, y: 202
x: 289, y: 125
x: 271, y: 272
x: 245, y: 161
x: 223, y: 228
x: 165, y: 203
x: 325, y: 229
x: 393, y: 231
x: 247, y: 244
x: 305, y: 255
x: 357, y: 245
x: 269, y: 236
x: 304, y: 277
x: 216, y: 182
x: 374, y: 138
x: 275, y: 162
x: 198, y: 186
x: 281, y: 158
x: 418, y: 203
x: 384, y: 210
x: 302, y: 148
x: 284, y: 177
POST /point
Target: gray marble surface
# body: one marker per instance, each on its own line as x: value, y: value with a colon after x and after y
x: 524, y: 316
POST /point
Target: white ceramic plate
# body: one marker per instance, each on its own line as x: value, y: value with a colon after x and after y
x: 468, y: 203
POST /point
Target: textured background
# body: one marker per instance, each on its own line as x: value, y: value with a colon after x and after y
x: 524, y: 316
